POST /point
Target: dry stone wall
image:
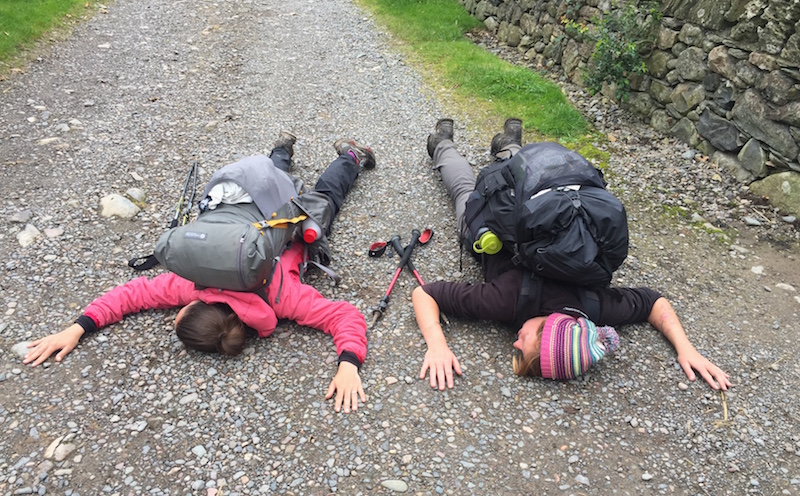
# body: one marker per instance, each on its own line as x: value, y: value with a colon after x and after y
x: 724, y: 76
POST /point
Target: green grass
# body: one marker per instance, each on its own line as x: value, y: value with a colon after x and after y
x: 22, y: 22
x: 433, y: 31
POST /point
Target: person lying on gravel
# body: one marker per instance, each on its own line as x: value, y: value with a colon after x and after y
x: 556, y: 339
x: 217, y: 320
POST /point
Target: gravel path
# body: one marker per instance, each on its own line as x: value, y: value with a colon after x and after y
x: 146, y: 87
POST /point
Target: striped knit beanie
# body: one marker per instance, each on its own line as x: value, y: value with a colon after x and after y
x: 570, y: 346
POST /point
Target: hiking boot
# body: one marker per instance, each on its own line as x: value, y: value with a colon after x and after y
x: 363, y: 155
x: 442, y: 131
x: 511, y: 135
x: 286, y: 141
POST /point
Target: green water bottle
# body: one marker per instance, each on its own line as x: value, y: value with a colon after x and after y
x: 487, y: 242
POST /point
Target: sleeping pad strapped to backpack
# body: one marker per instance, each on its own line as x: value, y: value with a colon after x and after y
x: 235, y: 246
x: 549, y: 207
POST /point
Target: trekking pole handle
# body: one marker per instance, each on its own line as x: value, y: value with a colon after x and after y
x: 410, y: 248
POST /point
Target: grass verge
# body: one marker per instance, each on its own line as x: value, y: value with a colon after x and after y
x: 23, y: 22
x: 434, y: 33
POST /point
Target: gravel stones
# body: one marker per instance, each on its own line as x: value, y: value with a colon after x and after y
x: 196, y: 80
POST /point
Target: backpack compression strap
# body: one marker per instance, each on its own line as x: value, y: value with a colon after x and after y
x: 143, y: 263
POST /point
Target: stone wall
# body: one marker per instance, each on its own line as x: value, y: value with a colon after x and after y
x: 724, y: 76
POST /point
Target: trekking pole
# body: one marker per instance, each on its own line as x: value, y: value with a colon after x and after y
x: 424, y: 238
x: 187, y: 209
x: 377, y: 313
x: 399, y: 249
x: 181, y: 211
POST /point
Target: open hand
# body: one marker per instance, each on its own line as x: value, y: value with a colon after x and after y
x: 441, y: 362
x: 347, y: 385
x: 65, y: 341
x: 692, y: 361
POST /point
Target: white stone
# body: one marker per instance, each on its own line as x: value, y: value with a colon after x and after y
x: 395, y: 485
x: 20, y: 349
x: 28, y: 236
x: 136, y: 194
x: 48, y: 453
x: 63, y: 451
x: 47, y: 141
x: 119, y: 206
x: 53, y: 232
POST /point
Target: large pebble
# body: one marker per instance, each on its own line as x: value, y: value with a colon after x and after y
x: 20, y: 349
x: 28, y: 236
x: 114, y: 205
x: 21, y: 217
x: 395, y: 485
x: 63, y: 451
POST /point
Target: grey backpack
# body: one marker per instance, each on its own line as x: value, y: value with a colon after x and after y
x: 236, y: 246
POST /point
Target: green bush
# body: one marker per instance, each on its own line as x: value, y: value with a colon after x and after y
x: 620, y: 38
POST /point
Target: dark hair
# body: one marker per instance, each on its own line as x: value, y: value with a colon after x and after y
x: 214, y: 327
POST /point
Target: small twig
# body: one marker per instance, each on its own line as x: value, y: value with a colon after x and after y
x: 762, y: 216
x: 776, y: 362
x: 755, y: 425
x: 724, y: 406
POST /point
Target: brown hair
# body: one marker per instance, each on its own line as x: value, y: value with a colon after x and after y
x: 530, y: 366
x: 214, y: 327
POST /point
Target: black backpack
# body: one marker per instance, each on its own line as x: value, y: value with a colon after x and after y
x: 549, y: 207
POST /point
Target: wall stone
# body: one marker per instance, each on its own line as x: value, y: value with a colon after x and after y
x: 724, y: 75
x: 750, y: 113
x: 782, y: 190
x: 721, y: 133
x: 754, y: 158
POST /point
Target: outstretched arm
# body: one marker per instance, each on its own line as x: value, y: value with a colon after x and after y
x: 163, y: 291
x: 439, y: 359
x: 302, y: 303
x: 664, y: 319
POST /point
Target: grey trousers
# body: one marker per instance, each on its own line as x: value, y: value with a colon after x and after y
x: 458, y: 178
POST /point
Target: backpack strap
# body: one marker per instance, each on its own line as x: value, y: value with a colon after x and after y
x: 327, y: 270
x: 530, y: 295
x: 591, y: 304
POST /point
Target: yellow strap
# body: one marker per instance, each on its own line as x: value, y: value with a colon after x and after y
x: 280, y: 223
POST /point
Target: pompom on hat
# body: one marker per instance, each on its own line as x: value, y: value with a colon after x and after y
x: 569, y: 346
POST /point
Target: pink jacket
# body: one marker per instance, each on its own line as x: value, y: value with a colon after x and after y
x: 289, y: 298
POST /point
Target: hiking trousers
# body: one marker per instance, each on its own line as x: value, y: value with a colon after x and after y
x: 458, y: 178
x: 335, y: 182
